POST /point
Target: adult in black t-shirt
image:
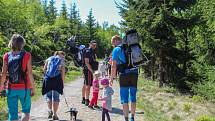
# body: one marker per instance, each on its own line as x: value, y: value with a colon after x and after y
x: 89, y: 61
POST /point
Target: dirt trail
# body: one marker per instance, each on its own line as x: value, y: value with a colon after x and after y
x: 73, y: 96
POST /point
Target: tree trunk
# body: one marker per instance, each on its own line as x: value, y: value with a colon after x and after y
x: 185, y: 50
x: 161, y: 68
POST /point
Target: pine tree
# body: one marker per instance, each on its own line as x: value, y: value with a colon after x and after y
x: 91, y: 25
x: 158, y: 22
x: 52, y: 12
x: 45, y: 6
x: 63, y: 13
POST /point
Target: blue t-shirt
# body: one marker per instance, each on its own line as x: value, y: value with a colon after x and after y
x: 118, y: 55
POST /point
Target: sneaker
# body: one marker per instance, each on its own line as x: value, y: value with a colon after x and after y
x: 83, y: 101
x: 87, y: 102
x: 132, y: 119
x: 91, y: 107
x: 96, y: 107
x: 50, y: 113
x: 55, y: 117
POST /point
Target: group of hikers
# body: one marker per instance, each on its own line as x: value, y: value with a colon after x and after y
x: 20, y: 83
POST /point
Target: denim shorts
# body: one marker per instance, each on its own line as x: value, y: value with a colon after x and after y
x: 12, y: 101
x: 52, y: 96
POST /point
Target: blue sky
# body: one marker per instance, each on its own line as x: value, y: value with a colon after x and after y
x: 103, y: 10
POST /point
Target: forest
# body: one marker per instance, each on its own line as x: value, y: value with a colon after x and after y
x: 177, y: 36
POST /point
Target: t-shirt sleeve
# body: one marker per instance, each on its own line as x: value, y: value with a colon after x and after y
x: 115, y: 53
x: 87, y: 54
x: 110, y: 91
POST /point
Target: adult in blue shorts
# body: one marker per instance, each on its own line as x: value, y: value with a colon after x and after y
x: 127, y: 78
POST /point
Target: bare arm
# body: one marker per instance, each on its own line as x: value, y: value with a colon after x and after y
x: 4, y: 74
x: 87, y: 62
x: 63, y: 73
x: 45, y: 67
x: 30, y: 75
x: 113, y: 71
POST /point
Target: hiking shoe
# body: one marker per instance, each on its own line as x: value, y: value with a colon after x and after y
x: 83, y: 101
x: 96, y: 107
x: 132, y: 119
x: 91, y: 107
x: 55, y: 117
x: 50, y: 113
x: 87, y: 102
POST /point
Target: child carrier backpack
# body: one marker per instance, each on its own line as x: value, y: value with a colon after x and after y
x: 16, y: 73
x: 76, y: 52
x: 72, y: 45
x: 132, y: 49
x: 53, y: 66
x: 79, y: 59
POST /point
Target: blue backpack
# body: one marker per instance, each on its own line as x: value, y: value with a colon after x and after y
x: 16, y: 73
x: 53, y: 66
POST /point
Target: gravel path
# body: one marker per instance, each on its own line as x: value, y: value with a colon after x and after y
x: 72, y: 93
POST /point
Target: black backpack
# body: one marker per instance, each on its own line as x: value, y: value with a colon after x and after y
x: 16, y: 73
x: 78, y: 58
x: 72, y: 45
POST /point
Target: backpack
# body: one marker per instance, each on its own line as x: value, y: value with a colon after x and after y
x: 16, y: 73
x: 53, y: 66
x: 79, y: 59
x: 72, y: 45
x: 132, y: 49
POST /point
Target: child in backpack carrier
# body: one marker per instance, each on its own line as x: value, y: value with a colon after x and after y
x: 106, y: 98
x: 93, y: 102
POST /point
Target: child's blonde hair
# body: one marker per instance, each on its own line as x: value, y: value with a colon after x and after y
x: 96, y: 74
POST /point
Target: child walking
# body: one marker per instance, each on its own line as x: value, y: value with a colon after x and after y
x: 93, y: 102
x: 106, y: 99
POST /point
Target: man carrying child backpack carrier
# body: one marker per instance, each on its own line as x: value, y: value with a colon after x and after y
x: 90, y: 65
x: 20, y: 85
x: 53, y: 82
x: 127, y: 56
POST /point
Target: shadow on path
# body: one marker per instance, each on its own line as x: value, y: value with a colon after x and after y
x: 139, y: 112
x: 117, y: 111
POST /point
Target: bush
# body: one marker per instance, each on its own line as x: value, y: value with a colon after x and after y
x: 206, y: 86
x: 205, y: 89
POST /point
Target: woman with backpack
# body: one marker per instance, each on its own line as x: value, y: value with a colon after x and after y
x: 20, y: 85
x: 54, y: 76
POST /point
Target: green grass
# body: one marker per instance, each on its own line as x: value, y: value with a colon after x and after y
x: 205, y: 118
x: 151, y: 113
x: 187, y: 107
x: 3, y: 110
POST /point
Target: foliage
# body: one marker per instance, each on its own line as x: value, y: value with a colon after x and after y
x: 178, y: 37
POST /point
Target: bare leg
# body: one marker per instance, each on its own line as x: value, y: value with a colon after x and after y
x: 25, y: 117
x: 83, y: 90
x: 55, y: 107
x: 87, y: 92
x: 125, y: 110
x: 49, y: 105
x: 133, y: 109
